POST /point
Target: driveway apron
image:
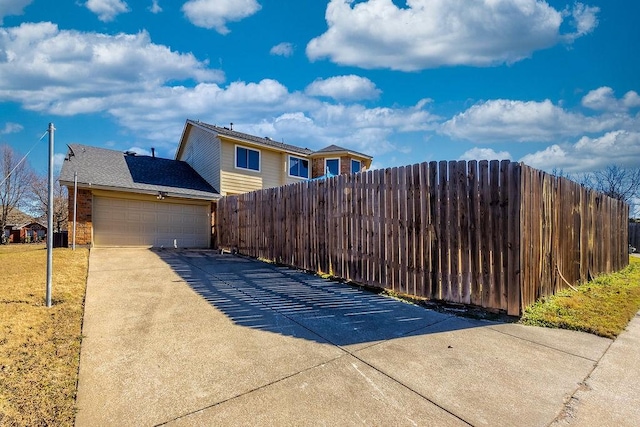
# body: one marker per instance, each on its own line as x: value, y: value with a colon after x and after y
x: 178, y: 337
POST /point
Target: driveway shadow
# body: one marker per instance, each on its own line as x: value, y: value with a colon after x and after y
x: 259, y: 295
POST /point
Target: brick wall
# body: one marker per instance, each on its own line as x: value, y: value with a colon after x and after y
x: 345, y: 165
x: 317, y: 166
x: 83, y: 213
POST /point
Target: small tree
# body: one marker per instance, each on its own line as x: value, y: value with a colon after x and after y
x: 16, y: 180
x: 40, y: 188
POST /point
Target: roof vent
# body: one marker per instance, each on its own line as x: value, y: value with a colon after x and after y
x: 129, y: 153
x: 268, y: 138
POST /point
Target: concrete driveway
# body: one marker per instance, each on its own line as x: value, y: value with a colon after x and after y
x: 180, y: 337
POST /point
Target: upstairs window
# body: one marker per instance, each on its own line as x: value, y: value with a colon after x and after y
x: 356, y: 166
x: 298, y: 167
x: 246, y: 158
x: 332, y: 166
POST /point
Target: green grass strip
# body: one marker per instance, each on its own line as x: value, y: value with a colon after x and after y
x: 602, y: 307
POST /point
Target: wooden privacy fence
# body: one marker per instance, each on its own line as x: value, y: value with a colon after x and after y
x: 634, y: 235
x: 492, y: 234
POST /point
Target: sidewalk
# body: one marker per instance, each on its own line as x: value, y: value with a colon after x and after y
x: 611, y: 394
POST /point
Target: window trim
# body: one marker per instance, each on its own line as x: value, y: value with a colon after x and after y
x: 235, y: 158
x: 290, y: 156
x: 359, y: 163
x: 331, y: 158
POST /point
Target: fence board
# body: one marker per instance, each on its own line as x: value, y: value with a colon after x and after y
x: 454, y: 232
x: 465, y: 225
x: 475, y: 235
x: 487, y: 240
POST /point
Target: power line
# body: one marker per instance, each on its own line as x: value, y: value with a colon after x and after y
x: 22, y: 160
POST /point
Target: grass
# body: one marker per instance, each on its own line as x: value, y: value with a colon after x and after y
x: 602, y: 307
x: 40, y: 346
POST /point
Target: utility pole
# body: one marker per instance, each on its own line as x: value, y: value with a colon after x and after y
x: 75, y: 206
x: 50, y: 218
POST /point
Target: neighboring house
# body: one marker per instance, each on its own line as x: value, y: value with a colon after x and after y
x: 22, y: 228
x: 25, y: 233
x: 126, y: 199
x: 236, y: 162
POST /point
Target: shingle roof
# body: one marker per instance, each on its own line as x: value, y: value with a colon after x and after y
x: 15, y: 217
x: 252, y: 138
x: 114, y: 169
x: 337, y: 149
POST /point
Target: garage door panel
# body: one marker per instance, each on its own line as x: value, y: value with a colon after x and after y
x: 124, y: 222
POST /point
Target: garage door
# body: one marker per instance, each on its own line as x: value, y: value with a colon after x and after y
x: 123, y: 222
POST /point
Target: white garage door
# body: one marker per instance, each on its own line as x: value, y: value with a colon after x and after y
x: 123, y: 222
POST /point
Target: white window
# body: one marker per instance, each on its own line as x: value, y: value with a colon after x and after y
x: 298, y: 167
x: 332, y: 166
x: 247, y: 158
x: 356, y: 166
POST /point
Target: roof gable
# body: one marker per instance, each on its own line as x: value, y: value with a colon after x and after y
x: 336, y: 149
x: 241, y: 136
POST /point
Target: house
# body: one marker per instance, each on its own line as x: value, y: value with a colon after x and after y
x: 22, y: 228
x: 236, y: 162
x: 125, y: 199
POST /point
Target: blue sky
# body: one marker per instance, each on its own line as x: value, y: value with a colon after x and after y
x: 554, y: 84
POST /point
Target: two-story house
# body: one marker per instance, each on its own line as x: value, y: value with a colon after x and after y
x: 127, y: 199
x: 235, y: 162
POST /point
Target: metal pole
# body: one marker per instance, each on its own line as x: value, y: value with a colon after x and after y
x: 75, y: 207
x: 50, y: 218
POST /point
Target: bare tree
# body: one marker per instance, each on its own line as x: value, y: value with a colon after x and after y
x: 40, y: 188
x: 617, y: 182
x: 15, y: 183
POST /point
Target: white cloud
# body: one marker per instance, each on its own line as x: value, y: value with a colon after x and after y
x: 149, y: 90
x: 85, y: 72
x: 282, y: 49
x: 434, y: 33
x: 603, y: 99
x: 58, y: 160
x: 107, y: 10
x: 267, y: 108
x: 349, y: 87
x: 155, y: 7
x: 216, y: 13
x: 140, y: 151
x: 618, y: 147
x: 478, y: 153
x: 12, y: 7
x: 10, y: 127
x: 584, y: 19
x: 523, y: 121
x: 631, y: 99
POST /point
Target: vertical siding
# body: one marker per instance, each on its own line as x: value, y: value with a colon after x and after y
x: 202, y: 152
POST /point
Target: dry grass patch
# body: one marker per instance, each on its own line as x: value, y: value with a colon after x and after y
x: 603, y: 307
x: 40, y: 346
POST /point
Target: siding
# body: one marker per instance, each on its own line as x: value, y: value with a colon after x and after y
x: 234, y: 181
x: 202, y: 152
